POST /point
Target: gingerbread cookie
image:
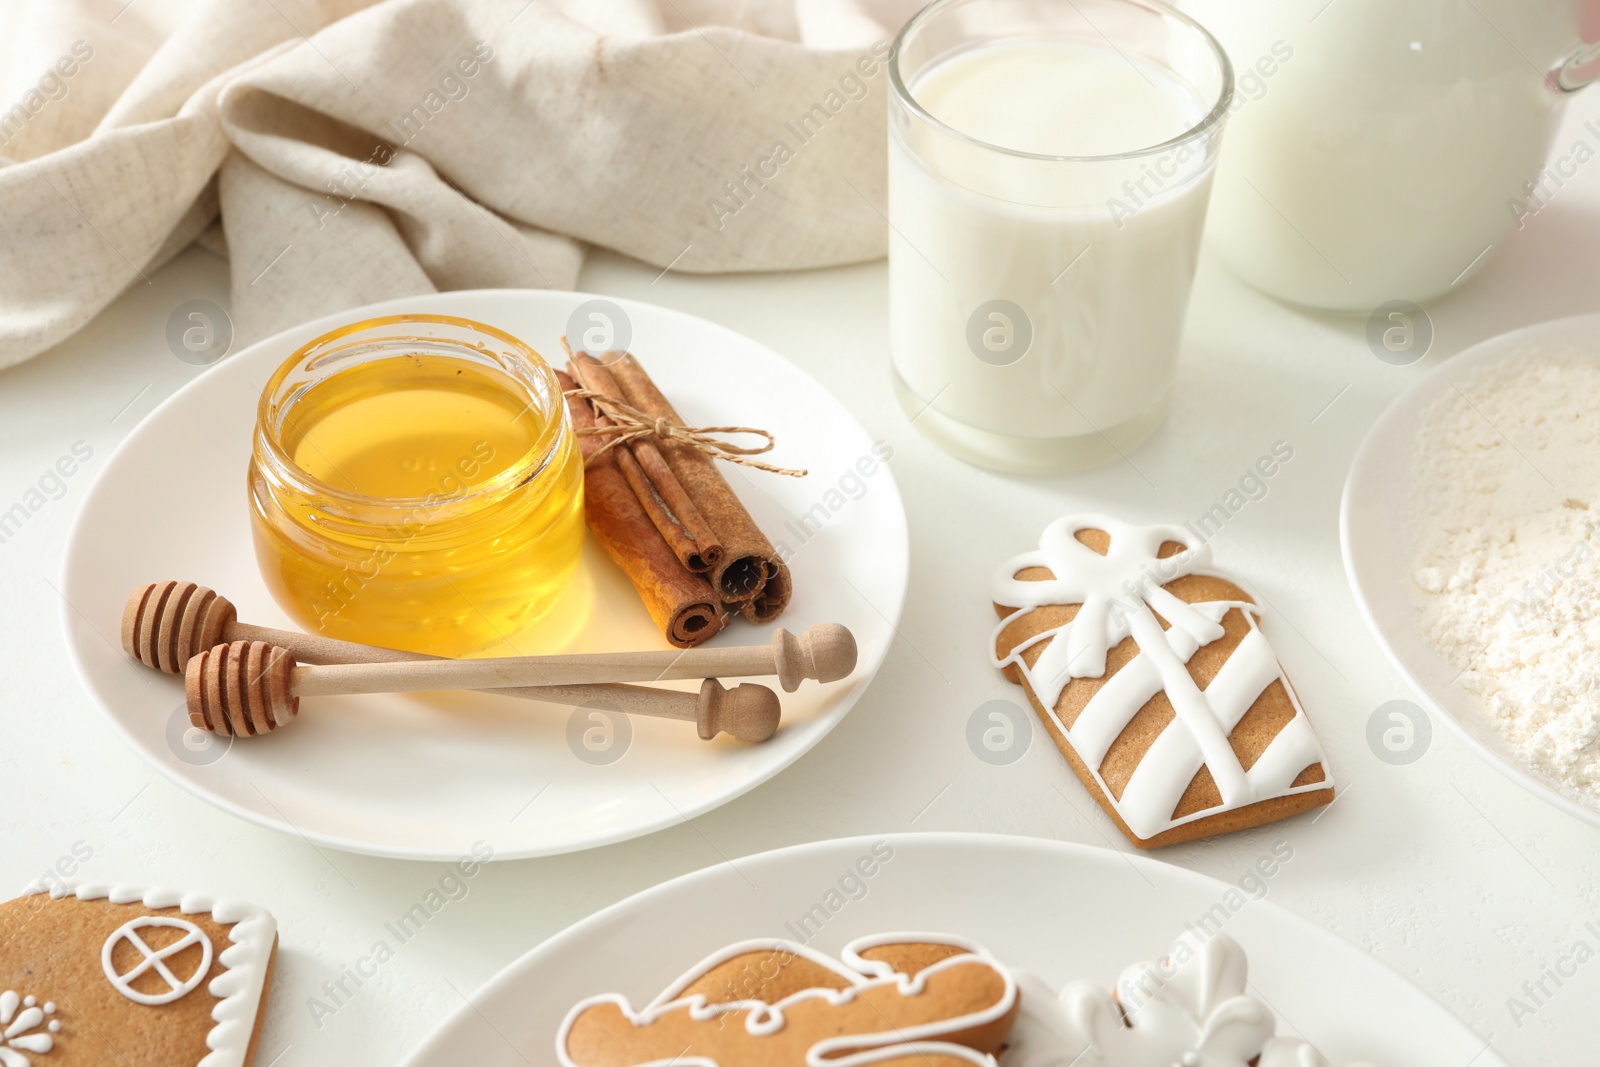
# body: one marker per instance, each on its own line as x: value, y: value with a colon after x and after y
x: 1152, y: 676
x: 95, y: 975
x: 911, y: 1000
x: 1190, y: 1008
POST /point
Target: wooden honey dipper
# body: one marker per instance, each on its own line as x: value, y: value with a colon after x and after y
x: 247, y: 688
x: 166, y: 623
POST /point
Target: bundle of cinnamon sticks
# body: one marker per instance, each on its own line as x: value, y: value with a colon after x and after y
x: 664, y: 513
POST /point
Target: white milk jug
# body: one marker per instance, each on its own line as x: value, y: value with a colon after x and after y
x: 1380, y: 149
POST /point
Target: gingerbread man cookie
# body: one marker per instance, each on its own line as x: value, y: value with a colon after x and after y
x: 910, y: 1000
x: 1152, y: 676
x: 93, y: 975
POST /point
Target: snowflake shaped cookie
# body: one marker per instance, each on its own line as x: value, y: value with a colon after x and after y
x: 1189, y: 1009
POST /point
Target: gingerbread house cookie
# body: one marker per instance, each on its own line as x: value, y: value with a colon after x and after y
x: 1155, y: 681
x: 98, y: 975
x: 910, y: 1000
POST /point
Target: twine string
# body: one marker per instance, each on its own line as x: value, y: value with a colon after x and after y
x: 628, y: 423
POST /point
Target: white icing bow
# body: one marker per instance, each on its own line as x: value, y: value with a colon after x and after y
x: 1112, y: 588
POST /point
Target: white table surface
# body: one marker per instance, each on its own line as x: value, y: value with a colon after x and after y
x: 1442, y: 869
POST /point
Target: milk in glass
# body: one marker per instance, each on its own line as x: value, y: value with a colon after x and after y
x: 1045, y: 227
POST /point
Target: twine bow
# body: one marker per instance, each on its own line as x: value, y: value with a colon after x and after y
x: 628, y: 423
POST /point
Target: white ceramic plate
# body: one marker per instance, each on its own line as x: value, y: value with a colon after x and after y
x: 1377, y: 524
x: 1063, y: 911
x: 426, y: 777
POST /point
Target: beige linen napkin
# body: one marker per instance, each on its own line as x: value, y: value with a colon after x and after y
x: 356, y: 150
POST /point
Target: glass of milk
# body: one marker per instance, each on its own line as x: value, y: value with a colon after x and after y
x: 1049, y: 168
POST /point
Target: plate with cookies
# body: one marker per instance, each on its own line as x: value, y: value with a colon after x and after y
x: 952, y: 949
x: 524, y: 571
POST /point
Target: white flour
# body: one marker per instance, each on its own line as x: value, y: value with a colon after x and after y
x: 1508, y: 560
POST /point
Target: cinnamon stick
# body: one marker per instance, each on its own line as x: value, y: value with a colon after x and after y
x: 773, y: 598
x: 682, y: 604
x: 749, y: 564
x: 663, y: 497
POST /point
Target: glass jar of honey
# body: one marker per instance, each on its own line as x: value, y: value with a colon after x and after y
x: 415, y: 483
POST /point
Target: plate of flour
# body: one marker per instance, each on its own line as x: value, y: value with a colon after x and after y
x: 1471, y: 535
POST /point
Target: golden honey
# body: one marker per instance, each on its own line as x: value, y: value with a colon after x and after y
x: 415, y: 483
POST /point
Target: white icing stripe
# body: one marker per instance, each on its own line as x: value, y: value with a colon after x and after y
x: 1053, y: 669
x: 1158, y: 782
x: 1105, y: 716
x: 1185, y: 617
x: 1189, y: 704
x: 1089, y: 637
x: 1161, y: 778
x: 1182, y: 643
x: 1292, y: 751
x: 1114, y: 705
x: 252, y: 933
x: 1242, y: 679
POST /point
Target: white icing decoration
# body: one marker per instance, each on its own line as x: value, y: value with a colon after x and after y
x: 156, y: 959
x: 252, y: 933
x: 1121, y: 596
x: 1044, y: 1035
x: 1290, y: 1052
x: 1189, y: 1010
x: 18, y: 1029
x: 859, y: 974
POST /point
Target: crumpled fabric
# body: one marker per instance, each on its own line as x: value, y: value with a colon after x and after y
x: 342, y: 152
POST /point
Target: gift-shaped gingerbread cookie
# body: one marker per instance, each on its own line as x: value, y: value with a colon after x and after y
x: 906, y: 1000
x: 92, y: 976
x: 1152, y: 676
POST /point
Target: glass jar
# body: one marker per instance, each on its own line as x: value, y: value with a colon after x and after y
x: 415, y: 483
x: 1049, y: 171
